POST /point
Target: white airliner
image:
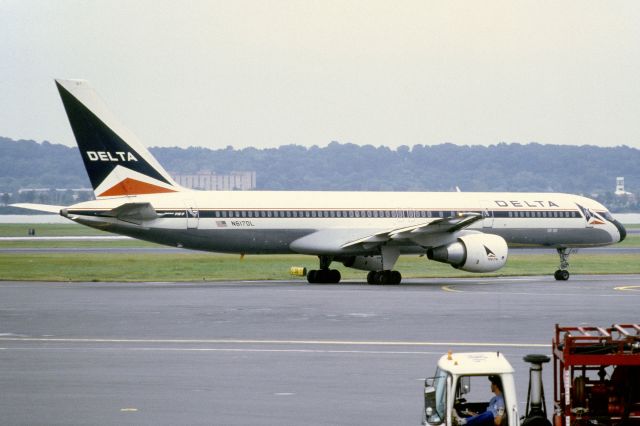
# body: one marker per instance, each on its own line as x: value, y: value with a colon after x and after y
x: 135, y: 196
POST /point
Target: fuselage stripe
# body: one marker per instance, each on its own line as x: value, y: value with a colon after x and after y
x: 348, y: 214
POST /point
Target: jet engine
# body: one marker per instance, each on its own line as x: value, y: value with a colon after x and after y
x: 364, y: 263
x: 473, y: 253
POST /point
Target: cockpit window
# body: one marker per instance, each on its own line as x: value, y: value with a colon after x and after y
x: 606, y: 215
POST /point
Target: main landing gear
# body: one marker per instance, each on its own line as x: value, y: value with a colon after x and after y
x: 384, y: 277
x: 324, y: 275
x: 389, y: 256
x: 562, y: 274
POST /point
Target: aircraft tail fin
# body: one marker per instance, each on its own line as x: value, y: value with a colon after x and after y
x: 116, y: 162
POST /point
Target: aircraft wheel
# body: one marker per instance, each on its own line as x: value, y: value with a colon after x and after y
x: 390, y: 277
x: 323, y: 276
x: 384, y: 277
x: 561, y: 275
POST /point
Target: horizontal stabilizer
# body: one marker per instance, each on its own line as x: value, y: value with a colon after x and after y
x: 39, y: 207
x: 133, y: 212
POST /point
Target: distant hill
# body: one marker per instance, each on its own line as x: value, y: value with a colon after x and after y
x: 502, y: 167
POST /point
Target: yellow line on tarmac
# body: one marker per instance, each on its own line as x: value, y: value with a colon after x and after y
x: 628, y: 288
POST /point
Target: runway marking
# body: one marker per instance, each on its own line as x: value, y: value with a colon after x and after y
x: 238, y: 350
x: 274, y: 342
x: 473, y: 289
x: 628, y: 288
x: 513, y: 293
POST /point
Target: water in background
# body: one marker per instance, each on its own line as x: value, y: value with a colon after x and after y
x: 624, y: 218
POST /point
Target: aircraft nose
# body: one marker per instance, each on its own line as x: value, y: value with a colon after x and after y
x: 621, y: 230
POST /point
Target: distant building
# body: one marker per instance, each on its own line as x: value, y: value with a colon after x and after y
x: 56, y: 194
x: 208, y: 180
x: 620, y: 187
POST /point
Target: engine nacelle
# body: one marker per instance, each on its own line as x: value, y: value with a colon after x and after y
x: 473, y: 253
x: 364, y: 263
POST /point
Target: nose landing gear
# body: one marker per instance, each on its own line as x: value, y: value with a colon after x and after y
x: 562, y: 274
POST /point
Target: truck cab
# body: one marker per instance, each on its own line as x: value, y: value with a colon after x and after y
x: 461, y: 383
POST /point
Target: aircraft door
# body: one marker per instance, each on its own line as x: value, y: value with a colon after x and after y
x: 487, y: 214
x: 192, y: 213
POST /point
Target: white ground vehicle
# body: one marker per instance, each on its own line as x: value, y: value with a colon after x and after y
x: 461, y: 383
x: 462, y: 375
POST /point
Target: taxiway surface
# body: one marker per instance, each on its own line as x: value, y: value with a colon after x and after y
x: 272, y: 353
x: 610, y: 250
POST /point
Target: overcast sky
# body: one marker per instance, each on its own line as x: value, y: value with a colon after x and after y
x: 268, y: 73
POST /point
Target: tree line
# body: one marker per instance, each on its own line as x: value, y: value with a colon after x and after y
x: 587, y: 170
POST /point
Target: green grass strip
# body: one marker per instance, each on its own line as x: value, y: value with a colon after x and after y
x: 215, y: 267
x: 49, y: 230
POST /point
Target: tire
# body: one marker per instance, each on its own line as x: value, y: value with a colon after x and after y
x: 561, y: 275
x: 389, y: 277
x: 334, y: 276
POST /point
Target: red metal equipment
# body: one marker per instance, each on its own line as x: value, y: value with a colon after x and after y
x: 596, y: 375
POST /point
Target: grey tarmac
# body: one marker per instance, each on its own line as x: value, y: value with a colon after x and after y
x: 606, y: 250
x: 272, y: 353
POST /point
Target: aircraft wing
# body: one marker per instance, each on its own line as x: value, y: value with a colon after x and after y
x: 39, y: 207
x: 441, y: 225
x: 346, y: 240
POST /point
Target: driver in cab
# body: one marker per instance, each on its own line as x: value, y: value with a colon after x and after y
x: 495, y: 411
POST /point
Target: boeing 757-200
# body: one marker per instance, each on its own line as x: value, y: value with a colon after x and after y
x: 135, y: 196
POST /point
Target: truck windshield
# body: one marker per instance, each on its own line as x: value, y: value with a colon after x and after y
x: 440, y: 385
